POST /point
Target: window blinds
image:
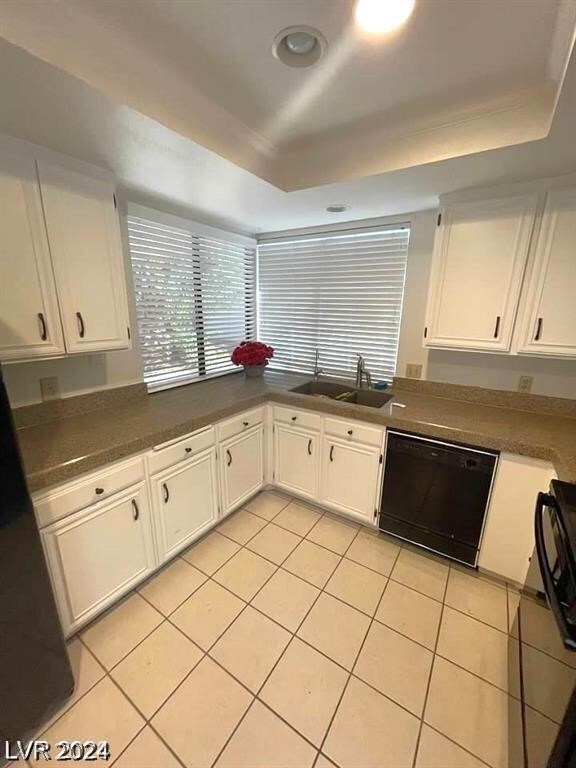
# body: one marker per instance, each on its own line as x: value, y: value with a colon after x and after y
x: 195, y: 299
x: 339, y: 292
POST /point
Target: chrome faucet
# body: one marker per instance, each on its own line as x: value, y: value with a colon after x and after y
x: 317, y: 370
x: 361, y: 372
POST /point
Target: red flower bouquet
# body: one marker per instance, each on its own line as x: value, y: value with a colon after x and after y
x: 252, y: 354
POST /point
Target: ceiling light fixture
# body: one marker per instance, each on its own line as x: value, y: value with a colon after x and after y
x: 299, y: 46
x: 380, y: 16
x: 337, y: 208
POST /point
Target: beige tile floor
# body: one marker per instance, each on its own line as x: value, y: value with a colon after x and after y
x: 289, y: 638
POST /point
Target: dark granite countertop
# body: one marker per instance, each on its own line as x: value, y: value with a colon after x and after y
x: 63, y: 448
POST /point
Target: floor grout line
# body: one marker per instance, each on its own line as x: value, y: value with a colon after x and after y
x: 425, y: 702
x: 350, y: 673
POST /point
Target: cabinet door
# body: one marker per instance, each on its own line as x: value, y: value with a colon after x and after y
x: 350, y: 474
x: 98, y: 554
x: 508, y: 542
x: 550, y: 322
x: 296, y: 460
x: 86, y: 250
x: 29, y: 318
x: 479, y: 258
x: 241, y: 467
x: 185, y: 503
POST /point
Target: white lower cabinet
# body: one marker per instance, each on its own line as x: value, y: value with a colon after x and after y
x: 508, y: 540
x: 98, y: 554
x: 296, y: 460
x: 241, y: 467
x: 350, y: 475
x: 185, y: 503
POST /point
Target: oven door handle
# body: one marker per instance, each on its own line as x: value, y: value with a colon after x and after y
x: 546, y: 500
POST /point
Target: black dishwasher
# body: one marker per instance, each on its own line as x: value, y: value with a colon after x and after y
x: 435, y: 494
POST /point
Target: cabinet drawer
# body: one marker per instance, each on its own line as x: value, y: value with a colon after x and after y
x: 354, y: 431
x: 303, y: 419
x: 240, y: 423
x: 72, y: 497
x: 164, y: 456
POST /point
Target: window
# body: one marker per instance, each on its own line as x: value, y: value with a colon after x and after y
x: 338, y: 292
x: 195, y: 291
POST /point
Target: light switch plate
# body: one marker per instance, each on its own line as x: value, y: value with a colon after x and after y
x: 49, y: 388
x: 525, y: 384
x: 414, y: 371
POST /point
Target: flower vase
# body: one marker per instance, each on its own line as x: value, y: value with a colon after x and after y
x: 254, y: 371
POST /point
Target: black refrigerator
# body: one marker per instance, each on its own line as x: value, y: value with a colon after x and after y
x: 35, y: 673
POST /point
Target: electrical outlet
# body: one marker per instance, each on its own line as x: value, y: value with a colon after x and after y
x: 49, y: 388
x: 525, y: 384
x: 414, y: 371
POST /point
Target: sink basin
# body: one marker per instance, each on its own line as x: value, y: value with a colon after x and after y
x: 372, y: 398
x: 322, y: 389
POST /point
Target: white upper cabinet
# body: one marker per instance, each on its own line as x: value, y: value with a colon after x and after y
x: 85, y: 245
x: 29, y: 319
x: 480, y: 254
x: 549, y: 326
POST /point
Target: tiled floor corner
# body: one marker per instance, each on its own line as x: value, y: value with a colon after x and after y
x: 288, y: 638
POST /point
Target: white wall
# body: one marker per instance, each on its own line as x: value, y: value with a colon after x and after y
x: 82, y: 373
x: 410, y: 349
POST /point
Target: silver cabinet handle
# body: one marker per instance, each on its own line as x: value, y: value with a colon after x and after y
x: 166, y: 493
x: 135, y: 510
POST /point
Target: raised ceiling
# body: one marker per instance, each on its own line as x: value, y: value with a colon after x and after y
x: 461, y: 77
x: 158, y: 167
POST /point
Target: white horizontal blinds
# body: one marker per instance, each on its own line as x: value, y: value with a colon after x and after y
x: 165, y: 268
x: 228, y: 288
x: 339, y: 292
x: 195, y: 300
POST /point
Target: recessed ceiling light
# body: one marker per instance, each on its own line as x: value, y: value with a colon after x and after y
x: 299, y: 46
x: 380, y: 16
x: 337, y: 208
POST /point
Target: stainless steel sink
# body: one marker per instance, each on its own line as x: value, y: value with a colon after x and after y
x: 372, y: 398
x: 323, y: 389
